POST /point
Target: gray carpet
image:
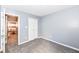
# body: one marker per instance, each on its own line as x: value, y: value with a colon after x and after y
x: 39, y: 46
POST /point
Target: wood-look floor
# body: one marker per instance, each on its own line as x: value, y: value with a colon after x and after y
x: 39, y: 46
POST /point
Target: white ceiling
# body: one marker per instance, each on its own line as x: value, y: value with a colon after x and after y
x: 38, y: 10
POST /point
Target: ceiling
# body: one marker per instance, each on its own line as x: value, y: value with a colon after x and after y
x: 38, y: 10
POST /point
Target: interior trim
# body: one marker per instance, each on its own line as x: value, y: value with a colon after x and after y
x: 13, y: 14
x: 61, y: 44
x: 25, y: 42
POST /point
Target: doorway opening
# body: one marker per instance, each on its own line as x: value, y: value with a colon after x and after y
x: 11, y: 25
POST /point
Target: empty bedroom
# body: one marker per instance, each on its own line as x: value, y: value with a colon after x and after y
x: 39, y: 29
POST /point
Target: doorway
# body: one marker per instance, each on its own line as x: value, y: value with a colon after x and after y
x: 11, y: 24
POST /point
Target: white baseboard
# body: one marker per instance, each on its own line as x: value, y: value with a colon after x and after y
x: 54, y: 42
x: 22, y: 42
x: 25, y: 42
x: 61, y: 44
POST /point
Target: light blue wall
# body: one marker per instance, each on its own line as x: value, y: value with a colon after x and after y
x: 61, y: 26
x: 23, y: 22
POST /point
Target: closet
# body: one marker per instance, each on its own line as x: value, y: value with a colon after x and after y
x: 11, y: 30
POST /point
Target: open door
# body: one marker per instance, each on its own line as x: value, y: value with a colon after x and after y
x: 11, y: 30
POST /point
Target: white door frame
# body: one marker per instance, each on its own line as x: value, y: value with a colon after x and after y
x: 18, y: 25
x: 3, y: 31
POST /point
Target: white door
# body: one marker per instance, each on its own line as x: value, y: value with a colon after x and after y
x: 32, y: 28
